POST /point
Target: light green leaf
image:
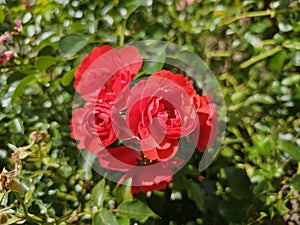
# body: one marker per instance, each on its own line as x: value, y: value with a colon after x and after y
x: 2, y: 17
x: 16, y: 126
x: 123, y: 221
x: 123, y: 192
x: 44, y: 62
x: 277, y: 61
x: 291, y: 149
x: 71, y: 44
x: 135, y: 209
x: 86, y: 163
x: 105, y: 217
x: 98, y: 193
x: 260, y: 98
x: 29, y: 194
x: 68, y: 77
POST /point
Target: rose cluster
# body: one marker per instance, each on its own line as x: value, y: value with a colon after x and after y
x: 144, y: 122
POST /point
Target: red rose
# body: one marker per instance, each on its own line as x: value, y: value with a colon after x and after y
x: 208, y: 125
x: 145, y: 176
x: 151, y: 177
x: 92, y: 126
x: 159, y: 112
x: 105, y: 72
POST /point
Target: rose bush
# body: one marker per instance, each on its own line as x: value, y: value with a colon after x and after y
x: 149, y: 118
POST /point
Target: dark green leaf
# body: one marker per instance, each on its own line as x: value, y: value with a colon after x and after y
x: 135, y: 209
x: 21, y: 87
x: 98, y: 193
x: 197, y: 194
x: 234, y: 210
x: 238, y: 181
x: 71, y: 44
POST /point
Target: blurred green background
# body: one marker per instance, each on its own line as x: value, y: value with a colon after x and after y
x: 252, y: 47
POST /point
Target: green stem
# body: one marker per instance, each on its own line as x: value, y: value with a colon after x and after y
x: 27, y: 216
x: 259, y: 57
x: 268, y: 12
x: 123, y: 26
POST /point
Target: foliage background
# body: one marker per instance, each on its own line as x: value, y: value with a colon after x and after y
x: 252, y: 47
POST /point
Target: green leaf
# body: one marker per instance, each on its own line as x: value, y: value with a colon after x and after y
x: 71, y: 44
x: 44, y: 62
x: 234, y: 210
x: 68, y: 77
x: 291, y: 149
x: 2, y: 17
x: 123, y: 221
x: 277, y: 61
x: 86, y: 163
x: 29, y: 194
x: 291, y: 80
x: 17, y: 75
x: 238, y: 181
x: 98, y: 193
x: 16, y: 126
x: 21, y: 87
x: 105, y: 217
x: 260, y: 98
x: 256, y: 58
x: 196, y: 194
x: 135, y: 209
x: 295, y: 184
x: 123, y: 192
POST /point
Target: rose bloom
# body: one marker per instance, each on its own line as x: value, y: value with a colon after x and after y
x: 92, y: 128
x: 101, y: 76
x: 145, y: 176
x: 106, y: 71
x: 208, y: 124
x: 157, y: 122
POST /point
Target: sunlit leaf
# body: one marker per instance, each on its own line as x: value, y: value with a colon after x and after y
x: 98, y: 193
x: 105, y: 217
x: 135, y: 209
x: 291, y: 149
x: 69, y: 45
